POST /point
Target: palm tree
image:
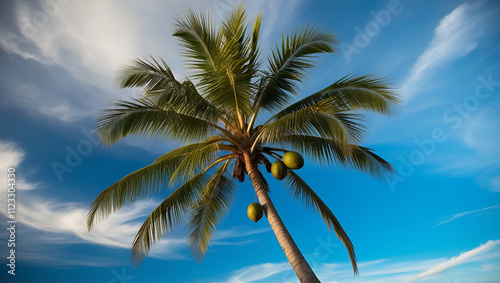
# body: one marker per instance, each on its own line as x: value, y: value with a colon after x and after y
x: 215, y: 113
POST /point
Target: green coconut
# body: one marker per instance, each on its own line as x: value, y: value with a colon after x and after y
x: 255, y: 211
x: 279, y: 170
x: 293, y: 160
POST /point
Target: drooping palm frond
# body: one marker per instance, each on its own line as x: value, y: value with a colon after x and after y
x: 142, y: 182
x: 161, y: 87
x: 143, y: 117
x: 147, y: 75
x: 166, y: 215
x: 334, y: 152
x: 288, y: 65
x: 367, y: 92
x: 300, y: 189
x: 214, y: 202
x: 195, y: 161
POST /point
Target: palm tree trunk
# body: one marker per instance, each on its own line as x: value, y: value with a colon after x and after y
x: 292, y: 252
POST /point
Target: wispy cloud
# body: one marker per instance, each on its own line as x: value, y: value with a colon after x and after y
x: 81, y: 45
x: 258, y: 272
x: 479, y: 155
x: 462, y: 214
x: 456, y: 36
x: 462, y: 258
x: 485, y: 258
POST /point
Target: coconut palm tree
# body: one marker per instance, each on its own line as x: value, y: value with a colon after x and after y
x: 215, y: 113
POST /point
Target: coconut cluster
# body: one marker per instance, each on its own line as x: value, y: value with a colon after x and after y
x: 291, y: 160
x: 279, y: 169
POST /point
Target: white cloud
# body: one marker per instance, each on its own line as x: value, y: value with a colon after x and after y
x: 12, y: 157
x: 479, y: 156
x: 90, y: 40
x: 258, y: 272
x: 456, y: 35
x: 481, y: 261
x: 462, y: 258
x: 458, y: 215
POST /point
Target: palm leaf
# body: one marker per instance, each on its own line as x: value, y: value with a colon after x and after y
x: 352, y: 93
x: 300, y: 189
x: 161, y: 87
x: 142, y: 182
x: 195, y: 161
x: 334, y: 152
x: 166, y: 215
x: 145, y: 118
x: 214, y: 202
x: 312, y: 121
x: 288, y: 65
x: 199, y: 40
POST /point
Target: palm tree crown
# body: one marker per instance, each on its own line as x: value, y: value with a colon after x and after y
x: 215, y: 112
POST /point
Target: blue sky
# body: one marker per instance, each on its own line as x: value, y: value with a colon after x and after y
x: 437, y: 221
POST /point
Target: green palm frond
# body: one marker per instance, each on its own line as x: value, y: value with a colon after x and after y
x: 195, y: 161
x: 143, y: 117
x: 300, y: 189
x: 200, y: 42
x: 288, y: 65
x: 142, y: 182
x: 166, y: 215
x: 367, y: 92
x: 214, y: 202
x: 254, y: 52
x: 147, y: 75
x: 334, y: 152
x: 312, y: 121
x: 161, y: 87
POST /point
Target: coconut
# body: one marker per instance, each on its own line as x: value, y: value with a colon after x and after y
x: 255, y: 211
x: 279, y: 170
x: 293, y: 160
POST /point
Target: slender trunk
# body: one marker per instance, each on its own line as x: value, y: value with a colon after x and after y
x: 292, y: 252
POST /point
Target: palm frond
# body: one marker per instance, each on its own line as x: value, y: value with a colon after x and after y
x: 195, y: 161
x: 161, y: 87
x: 147, y: 75
x: 166, y: 215
x: 214, y: 202
x: 288, y: 65
x: 141, y: 183
x: 199, y: 40
x: 313, y: 121
x: 330, y: 151
x: 254, y: 63
x: 144, y: 117
x: 300, y: 189
x: 367, y: 92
